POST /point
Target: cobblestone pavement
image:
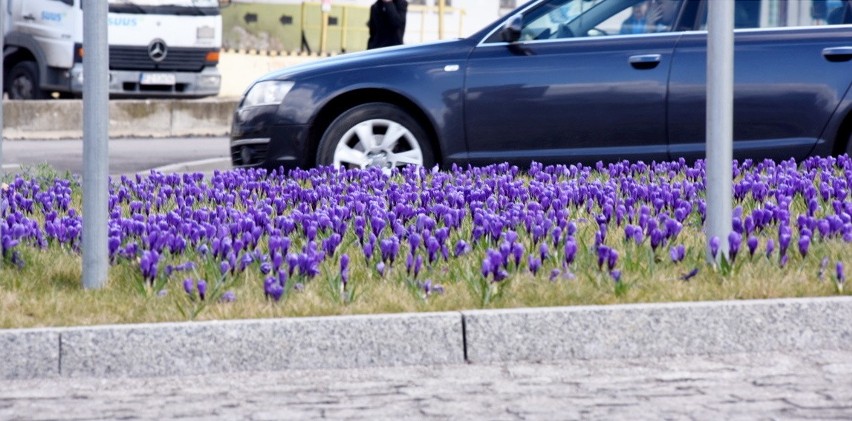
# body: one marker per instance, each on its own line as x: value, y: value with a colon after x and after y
x: 754, y: 386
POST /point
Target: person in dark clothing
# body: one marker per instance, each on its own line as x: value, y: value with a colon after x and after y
x: 387, y: 23
x: 841, y: 15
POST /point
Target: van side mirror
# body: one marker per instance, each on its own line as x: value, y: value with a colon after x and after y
x: 511, y: 31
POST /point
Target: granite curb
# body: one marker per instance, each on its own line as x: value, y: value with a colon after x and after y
x: 478, y: 336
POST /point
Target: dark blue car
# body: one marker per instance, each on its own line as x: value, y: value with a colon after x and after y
x: 560, y: 81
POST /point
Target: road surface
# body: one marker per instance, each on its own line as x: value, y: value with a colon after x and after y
x: 126, y: 156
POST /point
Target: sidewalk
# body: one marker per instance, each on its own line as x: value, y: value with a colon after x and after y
x: 806, y: 385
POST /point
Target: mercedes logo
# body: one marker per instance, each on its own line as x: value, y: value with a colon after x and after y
x: 157, y: 50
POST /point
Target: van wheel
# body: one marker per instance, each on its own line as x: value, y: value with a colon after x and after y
x: 23, y: 82
x: 375, y: 135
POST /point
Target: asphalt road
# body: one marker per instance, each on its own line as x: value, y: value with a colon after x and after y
x: 813, y: 385
x: 126, y: 155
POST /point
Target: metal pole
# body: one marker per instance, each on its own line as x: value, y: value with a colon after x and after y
x: 2, y: 64
x: 720, y: 122
x: 95, y: 143
x: 441, y: 19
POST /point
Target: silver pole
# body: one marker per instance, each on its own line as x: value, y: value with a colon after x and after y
x: 720, y: 122
x: 2, y: 64
x: 95, y: 143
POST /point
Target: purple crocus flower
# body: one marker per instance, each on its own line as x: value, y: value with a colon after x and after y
x: 189, y: 286
x: 734, y: 241
x: 603, y: 255
x: 461, y: 248
x: 543, y: 251
x: 272, y: 288
x: 534, y: 263
x: 148, y: 263
x: 389, y: 248
x: 714, y: 246
x: 628, y: 232
x: 554, y: 274
x: 822, y: 265
x: 783, y: 243
x: 841, y: 276
x: 656, y: 238
x: 486, y: 268
x: 418, y: 264
x: 673, y: 228
x: 616, y: 275
x: 228, y: 297
x: 429, y: 289
x: 414, y: 241
x: 572, y: 229
x: 689, y: 275
x: 380, y: 267
x: 202, y: 289
x: 570, y: 250
x: 344, y: 269
x: 612, y: 259
x: 677, y: 253
x: 368, y: 247
x: 432, y: 248
x: 752, y: 243
x: 770, y: 247
x: 804, y: 244
x: 518, y: 253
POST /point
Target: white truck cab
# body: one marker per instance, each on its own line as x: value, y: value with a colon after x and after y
x: 157, y: 48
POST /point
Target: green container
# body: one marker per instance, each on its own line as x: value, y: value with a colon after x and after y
x: 294, y: 27
x: 262, y: 27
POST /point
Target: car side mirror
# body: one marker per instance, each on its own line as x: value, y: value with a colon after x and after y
x: 512, y: 29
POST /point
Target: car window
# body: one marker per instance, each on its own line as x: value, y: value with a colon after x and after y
x: 755, y: 14
x: 560, y: 19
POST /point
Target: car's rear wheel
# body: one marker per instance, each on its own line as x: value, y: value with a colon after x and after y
x: 375, y: 135
x: 849, y: 145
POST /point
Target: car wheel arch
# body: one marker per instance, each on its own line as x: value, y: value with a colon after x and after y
x: 340, y: 104
x: 843, y: 136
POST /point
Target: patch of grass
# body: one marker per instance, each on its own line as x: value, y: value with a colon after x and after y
x: 48, y: 291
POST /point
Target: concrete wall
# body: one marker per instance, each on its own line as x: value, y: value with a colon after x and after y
x: 61, y: 119
x: 127, y: 118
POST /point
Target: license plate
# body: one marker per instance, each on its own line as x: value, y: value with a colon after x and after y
x: 157, y: 79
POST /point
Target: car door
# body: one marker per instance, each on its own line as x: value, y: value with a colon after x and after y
x: 789, y: 75
x: 572, y: 89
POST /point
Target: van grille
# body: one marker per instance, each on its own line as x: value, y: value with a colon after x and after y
x: 177, y: 59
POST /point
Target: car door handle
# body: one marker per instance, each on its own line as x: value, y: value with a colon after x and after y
x: 837, y: 53
x: 29, y: 17
x: 645, y: 61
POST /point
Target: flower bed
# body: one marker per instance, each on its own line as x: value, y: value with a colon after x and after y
x: 619, y: 231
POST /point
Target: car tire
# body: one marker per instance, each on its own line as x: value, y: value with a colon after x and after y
x: 849, y: 145
x: 23, y: 82
x: 358, y: 139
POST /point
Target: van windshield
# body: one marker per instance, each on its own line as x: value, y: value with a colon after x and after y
x: 166, y: 7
